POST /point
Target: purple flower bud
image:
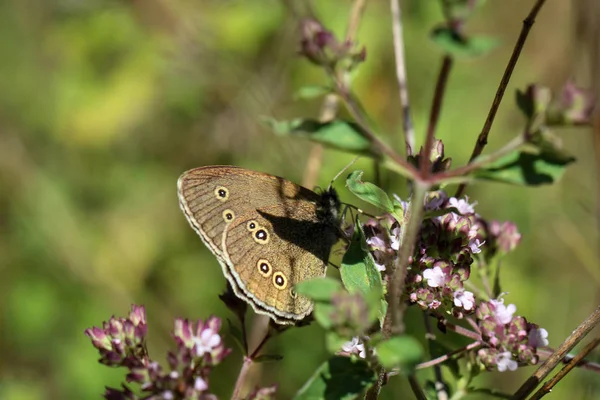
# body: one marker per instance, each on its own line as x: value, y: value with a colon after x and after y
x: 137, y: 315
x: 576, y: 105
x: 505, y: 235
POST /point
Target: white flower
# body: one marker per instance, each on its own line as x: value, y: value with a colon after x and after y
x: 475, y: 245
x: 207, y: 341
x: 435, y: 277
x: 355, y: 347
x: 200, y: 384
x: 505, y: 362
x: 462, y: 205
x: 504, y: 314
x: 538, y: 337
x: 376, y: 243
x: 464, y: 298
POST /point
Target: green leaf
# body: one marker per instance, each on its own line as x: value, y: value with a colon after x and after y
x: 358, y: 270
x: 338, y: 134
x: 339, y: 378
x: 543, y: 165
x: 310, y: 92
x: 403, y: 351
x: 458, y: 45
x: 369, y: 192
x: 319, y: 289
x: 268, y: 358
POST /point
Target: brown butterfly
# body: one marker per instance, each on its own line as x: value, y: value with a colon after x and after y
x: 267, y: 233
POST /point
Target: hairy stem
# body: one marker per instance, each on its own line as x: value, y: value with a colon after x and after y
x: 407, y: 125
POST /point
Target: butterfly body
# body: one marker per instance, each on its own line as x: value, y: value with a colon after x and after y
x: 267, y: 233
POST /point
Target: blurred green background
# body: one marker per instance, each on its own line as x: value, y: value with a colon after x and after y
x: 104, y: 103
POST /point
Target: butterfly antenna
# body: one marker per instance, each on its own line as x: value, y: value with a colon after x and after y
x: 342, y: 171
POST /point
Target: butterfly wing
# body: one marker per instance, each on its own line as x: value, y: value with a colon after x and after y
x: 220, y: 202
x: 274, y: 248
x: 206, y: 193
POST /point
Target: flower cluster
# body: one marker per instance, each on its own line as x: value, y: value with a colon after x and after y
x: 121, y: 342
x: 451, y: 237
x: 321, y: 47
x: 443, y: 255
x: 509, y: 340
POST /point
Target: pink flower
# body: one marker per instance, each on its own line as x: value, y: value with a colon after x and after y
x: 207, y: 341
x: 435, y: 277
x: 538, y: 337
x: 464, y: 299
x: 504, y: 314
x: 354, y: 347
x: 505, y: 362
x: 462, y: 205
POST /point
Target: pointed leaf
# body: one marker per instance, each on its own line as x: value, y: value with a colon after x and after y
x: 369, y: 192
x: 527, y: 168
x: 340, y: 378
x: 339, y: 134
x: 358, y: 270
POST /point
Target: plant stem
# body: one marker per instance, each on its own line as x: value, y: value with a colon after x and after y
x: 408, y: 128
x: 547, y: 366
x: 434, y: 115
x: 248, y: 361
x: 409, y: 238
x: 241, y: 379
x: 483, y: 136
x: 547, y: 387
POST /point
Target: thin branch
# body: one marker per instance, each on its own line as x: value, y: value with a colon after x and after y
x: 407, y: 125
x: 547, y: 387
x: 435, y: 362
x: 483, y: 136
x: 583, y: 364
x: 547, y: 366
x: 434, y: 115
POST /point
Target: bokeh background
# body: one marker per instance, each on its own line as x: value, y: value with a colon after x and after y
x: 104, y: 103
